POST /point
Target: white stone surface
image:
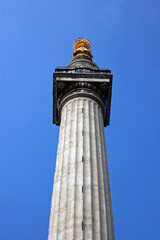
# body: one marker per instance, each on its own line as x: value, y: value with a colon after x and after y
x: 81, y: 213
x: 82, y: 79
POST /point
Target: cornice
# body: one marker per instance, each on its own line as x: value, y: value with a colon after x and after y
x: 68, y: 85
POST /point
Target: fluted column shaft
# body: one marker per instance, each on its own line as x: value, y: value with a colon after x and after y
x: 81, y: 202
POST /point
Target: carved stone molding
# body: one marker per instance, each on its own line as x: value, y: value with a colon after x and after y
x: 97, y: 86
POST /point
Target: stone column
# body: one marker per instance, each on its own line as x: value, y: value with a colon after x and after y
x: 81, y: 202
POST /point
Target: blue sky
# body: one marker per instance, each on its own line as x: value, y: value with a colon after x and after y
x: 37, y: 36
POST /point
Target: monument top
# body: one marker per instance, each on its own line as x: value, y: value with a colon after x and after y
x: 81, y: 78
x: 82, y: 46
